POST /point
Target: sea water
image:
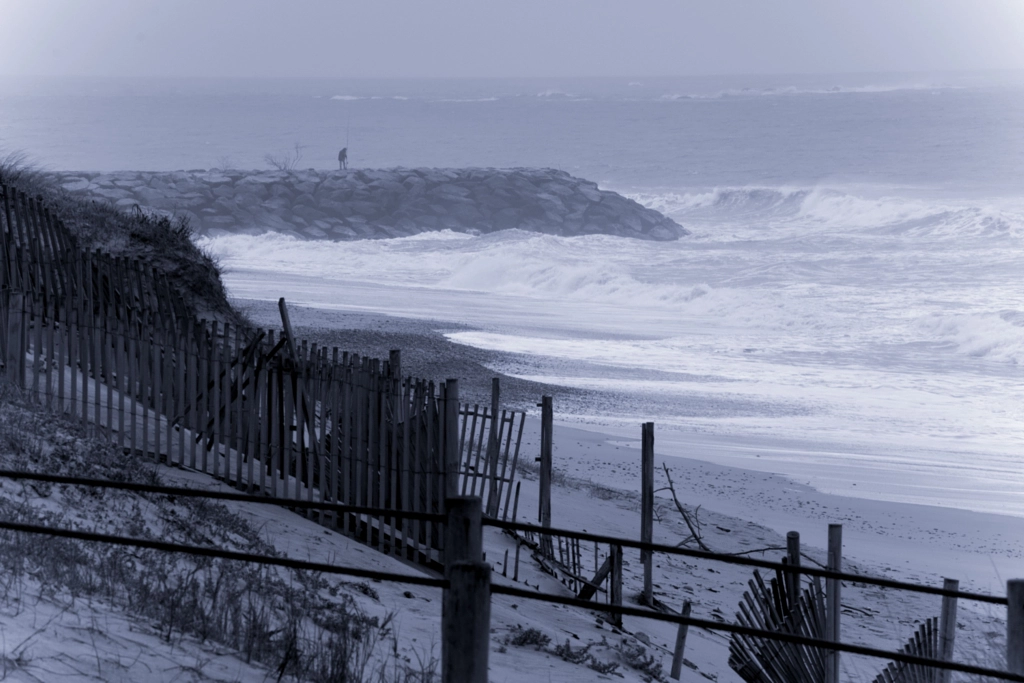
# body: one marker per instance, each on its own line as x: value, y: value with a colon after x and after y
x: 848, y: 309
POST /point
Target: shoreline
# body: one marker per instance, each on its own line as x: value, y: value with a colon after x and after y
x: 904, y: 433
x: 426, y: 353
x: 982, y: 549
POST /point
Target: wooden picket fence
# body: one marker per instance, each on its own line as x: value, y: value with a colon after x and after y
x: 106, y: 341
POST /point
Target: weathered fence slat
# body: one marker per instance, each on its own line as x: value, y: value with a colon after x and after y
x: 214, y: 383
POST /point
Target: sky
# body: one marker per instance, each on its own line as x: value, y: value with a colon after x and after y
x: 504, y: 38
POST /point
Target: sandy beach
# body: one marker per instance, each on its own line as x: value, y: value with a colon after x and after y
x: 742, y: 510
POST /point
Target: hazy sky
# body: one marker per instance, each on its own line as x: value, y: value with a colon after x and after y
x: 328, y: 38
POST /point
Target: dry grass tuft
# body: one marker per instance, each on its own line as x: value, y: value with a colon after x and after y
x: 299, y: 625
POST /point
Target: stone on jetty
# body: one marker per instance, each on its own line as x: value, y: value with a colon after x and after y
x: 360, y: 204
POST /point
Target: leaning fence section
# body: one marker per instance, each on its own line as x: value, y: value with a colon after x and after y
x: 106, y: 342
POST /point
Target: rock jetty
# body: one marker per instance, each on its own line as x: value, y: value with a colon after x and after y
x: 361, y: 204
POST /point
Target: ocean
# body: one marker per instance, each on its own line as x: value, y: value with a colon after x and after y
x: 848, y: 310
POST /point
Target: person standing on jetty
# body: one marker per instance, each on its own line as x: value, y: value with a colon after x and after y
x: 343, y: 159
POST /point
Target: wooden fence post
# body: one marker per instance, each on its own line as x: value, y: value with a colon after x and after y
x: 547, y: 419
x: 793, y: 560
x: 286, y: 324
x: 452, y: 462
x: 647, y: 508
x: 677, y: 657
x: 494, y: 449
x: 615, y: 588
x: 833, y: 588
x: 1015, y: 626
x: 466, y: 623
x: 947, y: 628
x: 463, y: 532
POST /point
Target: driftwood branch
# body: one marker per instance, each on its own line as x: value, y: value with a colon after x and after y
x: 692, y: 521
x: 756, y: 550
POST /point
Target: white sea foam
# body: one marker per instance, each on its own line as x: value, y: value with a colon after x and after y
x: 597, y: 271
x: 670, y: 276
x: 995, y: 337
x: 667, y: 286
x: 723, y: 202
x: 542, y: 266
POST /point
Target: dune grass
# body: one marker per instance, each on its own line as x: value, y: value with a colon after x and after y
x: 300, y: 625
x: 165, y: 243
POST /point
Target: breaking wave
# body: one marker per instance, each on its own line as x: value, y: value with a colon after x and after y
x: 800, y: 209
x: 818, y: 267
x: 993, y: 336
x: 592, y: 270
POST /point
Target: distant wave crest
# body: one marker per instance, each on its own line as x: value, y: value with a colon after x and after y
x: 799, y: 209
x: 636, y: 92
x: 353, y: 98
x: 794, y: 90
